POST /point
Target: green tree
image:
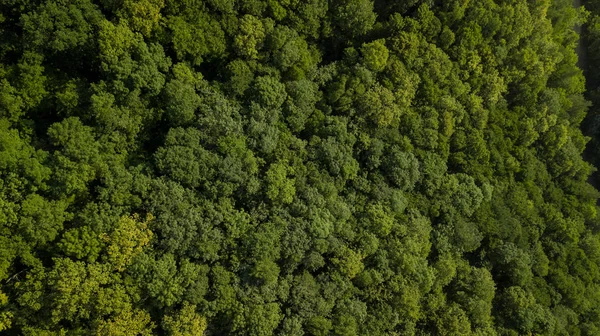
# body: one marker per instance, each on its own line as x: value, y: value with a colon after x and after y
x: 250, y: 38
x: 375, y: 55
x: 185, y: 322
x: 280, y: 187
x: 354, y: 17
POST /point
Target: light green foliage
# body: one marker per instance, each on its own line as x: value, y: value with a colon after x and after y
x: 475, y: 292
x: 142, y: 16
x: 380, y: 105
x: 197, y: 38
x: 41, y: 220
x: 115, y: 43
x: 169, y: 281
x: 381, y: 221
x: 375, y: 55
x: 5, y: 316
x: 75, y: 285
x: 127, y: 323
x: 260, y: 319
x: 250, y: 37
x: 319, y: 326
x: 127, y: 241
x: 17, y: 155
x: 280, y: 187
x: 185, y: 322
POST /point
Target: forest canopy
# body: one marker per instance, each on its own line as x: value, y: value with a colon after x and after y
x: 295, y: 167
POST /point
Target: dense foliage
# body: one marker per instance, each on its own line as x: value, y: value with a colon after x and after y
x: 295, y: 167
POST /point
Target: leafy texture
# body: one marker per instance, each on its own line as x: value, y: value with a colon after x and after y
x: 288, y: 167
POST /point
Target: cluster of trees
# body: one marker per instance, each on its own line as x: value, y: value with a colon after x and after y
x: 261, y: 167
